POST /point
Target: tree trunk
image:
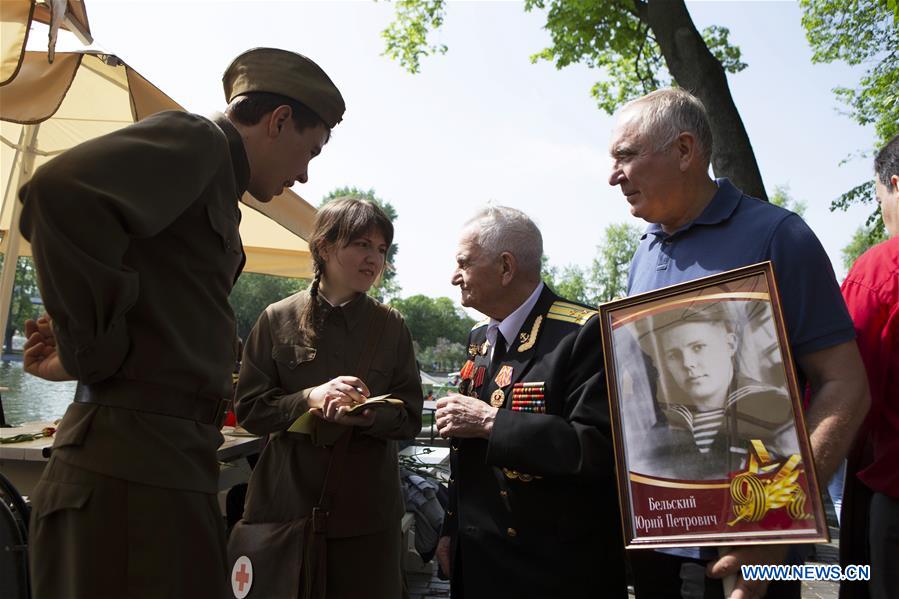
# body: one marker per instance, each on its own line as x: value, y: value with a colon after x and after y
x: 7, y: 338
x: 695, y: 69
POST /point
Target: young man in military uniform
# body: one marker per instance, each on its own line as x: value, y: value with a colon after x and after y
x: 135, y: 238
x: 533, y: 510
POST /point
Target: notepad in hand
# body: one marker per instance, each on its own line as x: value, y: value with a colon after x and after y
x: 375, y: 402
x: 303, y: 424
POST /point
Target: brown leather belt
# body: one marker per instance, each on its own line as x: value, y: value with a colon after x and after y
x: 154, y: 399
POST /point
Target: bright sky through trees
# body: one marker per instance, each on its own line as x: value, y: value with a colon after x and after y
x: 483, y: 123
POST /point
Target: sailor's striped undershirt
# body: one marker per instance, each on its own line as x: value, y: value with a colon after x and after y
x: 705, y: 426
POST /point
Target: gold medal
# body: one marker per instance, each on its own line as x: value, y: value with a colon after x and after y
x: 497, y: 398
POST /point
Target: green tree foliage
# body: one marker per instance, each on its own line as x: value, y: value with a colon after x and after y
x: 570, y: 282
x: 618, y: 38
x: 254, y: 292
x: 573, y: 283
x: 388, y: 287
x: 407, y: 35
x: 22, y: 308
x: 638, y: 45
x: 443, y: 356
x: 863, y: 239
x: 860, y: 32
x: 606, y: 279
x: 430, y: 319
x: 613, y: 261
x: 783, y: 198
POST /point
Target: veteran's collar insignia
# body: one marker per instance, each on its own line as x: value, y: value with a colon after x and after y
x: 527, y: 340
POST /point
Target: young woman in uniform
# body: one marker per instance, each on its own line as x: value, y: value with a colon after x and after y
x: 306, y: 356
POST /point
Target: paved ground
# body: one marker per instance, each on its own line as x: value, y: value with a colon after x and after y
x: 824, y: 554
x: 426, y: 585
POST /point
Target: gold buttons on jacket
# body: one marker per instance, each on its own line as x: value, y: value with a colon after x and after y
x: 511, y: 532
x: 503, y: 493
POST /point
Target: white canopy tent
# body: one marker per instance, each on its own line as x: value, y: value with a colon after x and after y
x: 16, y: 17
x: 430, y: 379
x: 48, y: 108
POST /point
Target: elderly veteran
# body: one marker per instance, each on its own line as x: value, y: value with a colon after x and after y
x: 660, y: 150
x: 533, y: 510
x: 135, y: 238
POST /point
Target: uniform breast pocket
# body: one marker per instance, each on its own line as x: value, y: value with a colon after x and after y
x: 294, y: 361
x: 227, y: 228
x: 378, y: 380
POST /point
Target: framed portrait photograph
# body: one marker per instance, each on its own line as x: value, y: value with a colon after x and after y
x: 710, y: 443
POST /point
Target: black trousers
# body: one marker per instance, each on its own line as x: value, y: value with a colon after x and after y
x: 662, y: 576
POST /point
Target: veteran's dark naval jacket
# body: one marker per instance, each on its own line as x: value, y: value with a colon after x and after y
x: 135, y: 238
x: 533, y: 510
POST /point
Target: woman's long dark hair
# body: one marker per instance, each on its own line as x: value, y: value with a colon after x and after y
x: 336, y: 225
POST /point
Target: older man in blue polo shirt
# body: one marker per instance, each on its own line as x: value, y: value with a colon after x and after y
x: 661, y: 149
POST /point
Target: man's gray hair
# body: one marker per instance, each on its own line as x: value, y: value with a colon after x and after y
x: 503, y: 229
x: 664, y: 114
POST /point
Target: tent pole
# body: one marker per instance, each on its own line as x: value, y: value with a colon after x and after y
x: 10, y: 261
x: 75, y: 27
x: 10, y: 192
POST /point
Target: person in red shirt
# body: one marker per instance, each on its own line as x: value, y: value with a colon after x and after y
x: 871, y: 291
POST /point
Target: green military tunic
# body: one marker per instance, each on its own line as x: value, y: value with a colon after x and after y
x: 280, y: 368
x: 136, y: 243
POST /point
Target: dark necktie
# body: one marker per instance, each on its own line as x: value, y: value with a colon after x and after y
x: 499, y: 352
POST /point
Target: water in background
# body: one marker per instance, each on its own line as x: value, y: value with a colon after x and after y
x: 31, y: 398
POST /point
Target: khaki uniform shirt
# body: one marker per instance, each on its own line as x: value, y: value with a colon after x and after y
x: 280, y: 368
x: 136, y: 243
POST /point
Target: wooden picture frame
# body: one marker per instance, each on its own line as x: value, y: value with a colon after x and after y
x: 710, y: 442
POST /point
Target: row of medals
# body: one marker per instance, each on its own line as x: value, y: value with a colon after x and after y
x: 498, y: 397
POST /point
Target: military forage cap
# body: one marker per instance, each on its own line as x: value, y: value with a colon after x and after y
x: 727, y: 313
x: 288, y: 74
